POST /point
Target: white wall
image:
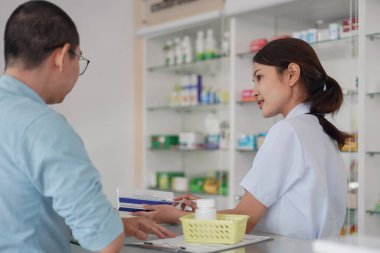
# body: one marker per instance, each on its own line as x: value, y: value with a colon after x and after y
x: 101, y: 106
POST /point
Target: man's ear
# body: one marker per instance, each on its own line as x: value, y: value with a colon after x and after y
x: 294, y: 73
x: 59, y: 56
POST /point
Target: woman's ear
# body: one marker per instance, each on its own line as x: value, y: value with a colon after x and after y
x: 294, y: 73
x: 59, y: 56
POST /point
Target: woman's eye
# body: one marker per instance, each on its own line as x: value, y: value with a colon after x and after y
x: 259, y: 77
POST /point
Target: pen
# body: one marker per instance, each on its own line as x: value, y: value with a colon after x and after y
x: 162, y: 247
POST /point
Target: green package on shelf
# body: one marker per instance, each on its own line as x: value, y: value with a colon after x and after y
x: 196, y: 185
x: 164, y: 141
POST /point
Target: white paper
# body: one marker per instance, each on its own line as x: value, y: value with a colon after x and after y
x: 179, y: 242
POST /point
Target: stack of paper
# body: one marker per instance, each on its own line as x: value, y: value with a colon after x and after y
x: 133, y: 200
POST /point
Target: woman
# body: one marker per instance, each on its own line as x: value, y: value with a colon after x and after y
x: 297, y: 184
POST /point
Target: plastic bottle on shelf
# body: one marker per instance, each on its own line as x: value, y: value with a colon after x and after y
x: 193, y: 90
x: 168, y: 49
x: 212, y: 131
x: 200, y: 46
x: 178, y: 51
x: 185, y: 96
x: 205, y: 209
x: 187, y: 50
x: 211, y: 51
x: 225, y: 45
x: 170, y: 54
x: 175, y: 96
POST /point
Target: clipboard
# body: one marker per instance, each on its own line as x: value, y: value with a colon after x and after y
x: 178, y: 244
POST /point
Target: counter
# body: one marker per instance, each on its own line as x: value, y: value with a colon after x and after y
x: 279, y: 244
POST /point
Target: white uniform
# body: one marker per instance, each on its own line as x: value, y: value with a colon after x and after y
x: 299, y: 175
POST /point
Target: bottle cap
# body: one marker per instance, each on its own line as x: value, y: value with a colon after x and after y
x: 201, y: 203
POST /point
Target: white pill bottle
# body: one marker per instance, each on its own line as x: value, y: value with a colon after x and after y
x: 205, y: 209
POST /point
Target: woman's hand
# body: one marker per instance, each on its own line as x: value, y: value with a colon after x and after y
x: 140, y: 227
x: 186, y: 200
x: 162, y: 213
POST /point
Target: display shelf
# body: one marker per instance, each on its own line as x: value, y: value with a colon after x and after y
x: 373, y: 212
x: 189, y: 108
x: 341, y: 44
x: 206, y: 67
x: 372, y: 153
x: 187, y: 150
x: 373, y: 94
x: 198, y: 194
x: 246, y: 102
x: 374, y: 36
x: 347, y: 92
x: 246, y: 150
x: 348, y: 152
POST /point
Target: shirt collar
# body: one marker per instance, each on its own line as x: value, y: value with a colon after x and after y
x: 299, y: 109
x: 14, y: 85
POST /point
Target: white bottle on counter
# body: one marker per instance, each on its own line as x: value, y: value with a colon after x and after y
x: 205, y: 209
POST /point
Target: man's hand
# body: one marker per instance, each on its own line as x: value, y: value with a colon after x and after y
x: 162, y: 213
x: 140, y: 227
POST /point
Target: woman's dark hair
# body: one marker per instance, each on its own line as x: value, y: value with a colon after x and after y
x: 33, y: 30
x: 323, y: 93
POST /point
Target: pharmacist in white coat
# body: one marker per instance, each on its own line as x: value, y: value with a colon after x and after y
x: 297, y: 185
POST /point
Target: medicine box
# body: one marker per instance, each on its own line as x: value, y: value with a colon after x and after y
x: 163, y: 141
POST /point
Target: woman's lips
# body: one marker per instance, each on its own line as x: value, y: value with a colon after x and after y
x: 260, y: 103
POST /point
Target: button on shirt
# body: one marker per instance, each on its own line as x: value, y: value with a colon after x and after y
x: 47, y: 182
x: 299, y: 175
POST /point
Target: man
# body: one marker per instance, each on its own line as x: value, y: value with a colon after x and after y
x: 48, y: 185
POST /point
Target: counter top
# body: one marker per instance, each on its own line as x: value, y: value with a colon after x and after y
x: 278, y: 244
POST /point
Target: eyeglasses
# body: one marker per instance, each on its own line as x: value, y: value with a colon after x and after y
x: 83, y: 62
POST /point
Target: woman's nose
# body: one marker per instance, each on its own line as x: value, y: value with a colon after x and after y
x: 255, y: 94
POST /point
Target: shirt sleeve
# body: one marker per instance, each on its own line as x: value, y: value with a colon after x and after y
x: 277, y: 166
x: 54, y: 158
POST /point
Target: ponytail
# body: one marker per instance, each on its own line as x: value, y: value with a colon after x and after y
x: 328, y: 101
x: 324, y: 93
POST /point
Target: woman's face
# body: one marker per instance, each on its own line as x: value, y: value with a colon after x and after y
x: 271, y: 90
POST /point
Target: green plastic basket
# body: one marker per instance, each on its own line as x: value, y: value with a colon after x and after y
x: 226, y: 229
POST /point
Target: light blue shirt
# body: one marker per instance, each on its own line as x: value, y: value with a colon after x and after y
x: 48, y: 185
x: 299, y: 175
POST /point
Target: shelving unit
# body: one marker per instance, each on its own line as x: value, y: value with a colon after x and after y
x: 369, y: 108
x: 233, y: 73
x: 161, y: 118
x: 206, y: 67
x: 190, y: 108
x: 373, y: 212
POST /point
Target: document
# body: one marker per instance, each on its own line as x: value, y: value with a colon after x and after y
x: 179, y: 244
x: 134, y: 199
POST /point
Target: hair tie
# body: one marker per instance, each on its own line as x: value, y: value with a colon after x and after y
x: 324, y: 79
x: 317, y: 114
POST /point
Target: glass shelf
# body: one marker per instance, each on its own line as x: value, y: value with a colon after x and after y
x: 372, y: 153
x: 324, y: 44
x: 374, y: 36
x: 206, y: 67
x: 373, y: 94
x: 246, y: 150
x: 373, y: 212
x: 190, y: 108
x: 246, y: 102
x: 199, y: 194
x: 348, y: 152
x: 187, y: 150
x: 347, y: 92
